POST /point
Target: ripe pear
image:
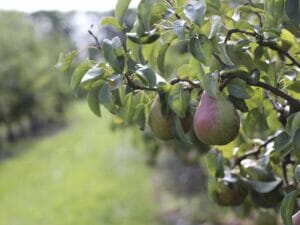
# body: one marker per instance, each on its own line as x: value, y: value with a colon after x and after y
x: 216, y: 121
x: 161, y: 126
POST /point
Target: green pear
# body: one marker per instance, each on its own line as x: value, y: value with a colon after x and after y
x: 216, y: 121
x: 161, y: 126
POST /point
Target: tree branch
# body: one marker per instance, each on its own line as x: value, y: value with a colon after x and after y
x: 294, y: 103
x: 254, y: 152
x: 134, y: 86
x: 191, y: 83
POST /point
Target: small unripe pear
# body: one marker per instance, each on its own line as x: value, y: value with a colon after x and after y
x: 216, y: 121
x: 161, y: 126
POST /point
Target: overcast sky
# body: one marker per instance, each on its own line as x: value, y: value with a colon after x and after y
x: 62, y: 5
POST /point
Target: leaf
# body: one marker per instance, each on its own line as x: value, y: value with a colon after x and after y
x: 297, y: 173
x: 179, y: 132
x: 210, y: 84
x: 129, y: 108
x: 255, y: 124
x: 296, y: 143
x: 289, y: 125
x: 216, y: 25
x: 235, y: 70
x: 178, y: 100
x: 287, y: 207
x: 120, y: 10
x: 79, y: 73
x: 161, y: 58
x: 148, y: 74
x: 215, y: 163
x: 147, y: 37
x: 115, y: 81
x: 179, y: 28
x: 92, y: 74
x: 263, y: 186
x: 65, y: 60
x: 222, y: 53
x: 111, y: 21
x: 93, y: 101
x: 282, y: 141
x: 292, y: 9
x: 201, y: 48
x: 106, y: 98
x: 295, y: 86
x: 195, y: 11
x: 150, y: 12
x: 239, y: 103
x: 114, y: 53
x: 239, y: 89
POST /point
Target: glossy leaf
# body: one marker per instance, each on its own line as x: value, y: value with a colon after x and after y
x: 114, y: 54
x: 79, y: 72
x: 292, y: 9
x: 295, y: 86
x: 120, y: 10
x: 178, y: 100
x: 287, y: 207
x: 179, y: 28
x: 111, y: 21
x: 144, y: 38
x: 195, y: 11
x: 92, y: 74
x: 263, y: 186
x: 296, y: 143
x: 65, y: 60
x: 214, y: 162
x: 106, y: 98
x: 179, y: 132
x: 201, y: 48
x: 161, y: 58
x: 216, y: 25
x: 239, y: 89
x: 93, y: 101
x: 148, y: 74
x: 210, y: 83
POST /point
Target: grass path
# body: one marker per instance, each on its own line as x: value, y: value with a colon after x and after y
x: 81, y: 175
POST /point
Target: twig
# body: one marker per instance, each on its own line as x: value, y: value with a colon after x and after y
x: 258, y: 15
x: 178, y: 80
x: 254, y: 152
x: 96, y: 39
x: 232, y: 31
x: 292, y: 101
x: 137, y: 87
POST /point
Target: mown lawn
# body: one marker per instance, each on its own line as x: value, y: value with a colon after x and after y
x: 80, y: 175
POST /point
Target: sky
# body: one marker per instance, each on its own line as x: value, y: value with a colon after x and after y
x: 61, y: 5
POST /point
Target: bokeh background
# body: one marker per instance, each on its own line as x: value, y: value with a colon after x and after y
x: 60, y: 164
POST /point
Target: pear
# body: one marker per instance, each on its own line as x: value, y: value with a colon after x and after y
x: 161, y: 126
x: 216, y: 121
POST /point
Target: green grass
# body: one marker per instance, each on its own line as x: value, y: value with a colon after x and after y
x: 83, y: 174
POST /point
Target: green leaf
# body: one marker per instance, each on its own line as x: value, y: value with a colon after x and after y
x: 216, y: 25
x: 222, y: 53
x: 287, y: 207
x: 161, y: 58
x: 282, y: 141
x: 296, y: 143
x: 255, y: 124
x: 195, y: 11
x: 178, y: 100
x: 297, y: 173
x: 263, y: 186
x: 114, y: 53
x: 215, y: 163
x: 290, y: 124
x: 239, y: 89
x: 121, y: 9
x: 148, y: 74
x: 179, y: 132
x: 111, y: 21
x: 92, y: 74
x: 292, y: 9
x: 239, y: 103
x: 235, y: 70
x: 201, y: 48
x: 115, y: 81
x: 129, y: 108
x: 150, y: 12
x: 65, y: 60
x: 211, y: 84
x: 79, y: 72
x: 179, y: 28
x: 106, y: 98
x: 93, y: 101
x: 147, y: 37
x: 295, y: 86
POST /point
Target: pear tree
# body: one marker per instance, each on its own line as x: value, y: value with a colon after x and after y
x: 210, y: 74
